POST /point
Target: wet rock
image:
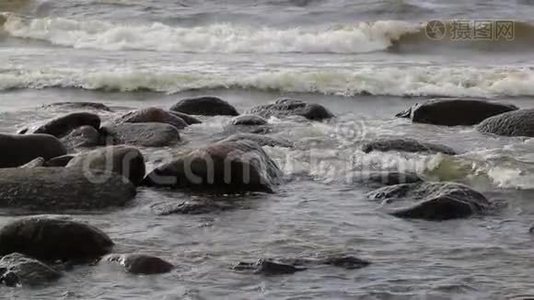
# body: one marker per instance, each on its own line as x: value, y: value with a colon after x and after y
x: 142, y: 134
x: 267, y: 267
x: 205, y: 106
x: 262, y: 140
x: 224, y: 167
x: 431, y: 200
x: 141, y: 264
x: 50, y: 239
x: 454, y: 112
x: 405, y: 145
x: 85, y: 136
x: 346, y: 262
x: 124, y: 160
x: 514, y: 123
x: 190, y: 207
x: 190, y: 120
x: 63, y: 125
x: 386, y: 177
x: 153, y: 115
x: 16, y: 150
x: 79, y: 105
x: 59, y: 161
x: 290, y: 107
x: 248, y: 120
x: 19, y: 269
x: 38, y: 162
x: 59, y: 189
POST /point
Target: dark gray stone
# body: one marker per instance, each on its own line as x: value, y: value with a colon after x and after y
x: 141, y: 264
x: 190, y: 120
x: 85, y: 136
x: 248, y: 120
x: 16, y: 150
x: 24, y: 270
x: 153, y: 115
x: 205, y: 106
x: 267, y: 267
x: 386, y: 177
x: 61, y: 126
x: 142, y: 134
x: 291, y: 107
x: 514, y: 123
x: 190, y: 207
x: 405, y: 145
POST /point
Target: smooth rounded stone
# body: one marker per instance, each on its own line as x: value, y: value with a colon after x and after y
x: 190, y: 207
x: 61, y: 126
x: 20, y: 269
x: 190, y: 120
x: 124, y: 160
x: 38, y: 162
x: 205, y: 106
x: 58, y: 189
x: 291, y: 107
x: 405, y: 145
x: 52, y: 238
x: 386, y: 177
x: 141, y: 264
x: 454, y: 112
x: 248, y: 120
x: 224, y: 167
x: 267, y: 267
x: 85, y: 136
x: 60, y: 161
x: 79, y: 105
x: 433, y: 201
x: 142, y: 134
x: 17, y: 150
x: 514, y: 123
x: 152, y: 115
x: 262, y: 140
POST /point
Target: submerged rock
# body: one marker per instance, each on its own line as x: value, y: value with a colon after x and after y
x: 454, y: 112
x: 153, y: 115
x: 190, y: 120
x: 267, y: 267
x: 291, y: 107
x: 190, y: 207
x: 124, y: 160
x: 514, y: 123
x: 16, y: 150
x: 18, y: 269
x: 431, y: 200
x: 79, y: 105
x: 205, y: 106
x: 61, y: 126
x: 141, y: 264
x: 50, y: 239
x: 59, y: 189
x: 224, y: 167
x: 248, y: 120
x: 386, y: 177
x: 405, y: 145
x: 142, y: 134
x: 262, y: 140
x: 85, y: 136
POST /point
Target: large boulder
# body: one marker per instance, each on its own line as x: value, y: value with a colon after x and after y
x: 405, y: 145
x: 431, y: 200
x: 514, y: 123
x: 141, y: 263
x: 61, y: 126
x: 205, y: 106
x: 454, y: 112
x: 224, y: 167
x: 85, y: 136
x: 124, y: 160
x: 153, y: 115
x: 291, y: 107
x: 18, y: 269
x: 141, y: 134
x: 17, y: 150
x: 52, y: 238
x: 58, y: 189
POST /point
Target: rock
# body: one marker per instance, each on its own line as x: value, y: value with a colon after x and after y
x: 61, y: 126
x: 60, y: 161
x: 190, y: 207
x: 141, y: 264
x: 386, y: 177
x: 290, y: 107
x: 205, y: 106
x: 17, y: 150
x: 38, y: 162
x: 190, y: 120
x: 153, y: 115
x: 405, y: 145
x: 142, y: 134
x: 124, y: 160
x: 59, y: 189
x: 248, y: 120
x: 454, y: 112
x: 433, y: 201
x: 267, y: 267
x: 346, y: 262
x: 224, y: 167
x: 50, y: 239
x: 514, y: 123
x: 262, y: 140
x: 23, y: 270
x: 85, y: 136
x: 79, y: 105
